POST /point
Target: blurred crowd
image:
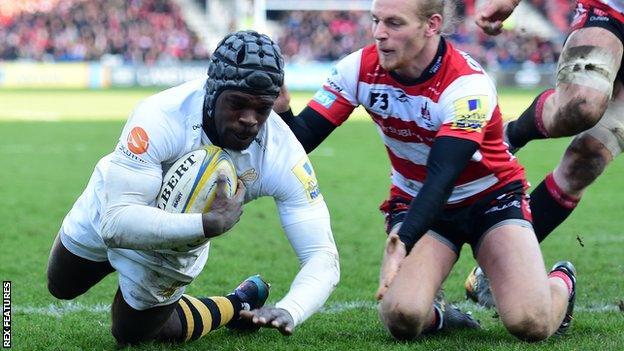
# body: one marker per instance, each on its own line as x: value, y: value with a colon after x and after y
x: 153, y: 31
x: 135, y: 31
x: 329, y: 35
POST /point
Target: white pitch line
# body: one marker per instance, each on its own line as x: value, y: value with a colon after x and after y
x: 63, y: 308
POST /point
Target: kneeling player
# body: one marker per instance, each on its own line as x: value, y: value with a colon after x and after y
x: 453, y: 179
x: 114, y: 225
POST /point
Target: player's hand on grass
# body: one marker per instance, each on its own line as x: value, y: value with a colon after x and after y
x: 393, y: 257
x: 224, y: 211
x: 271, y: 317
x: 282, y: 103
x: 490, y: 16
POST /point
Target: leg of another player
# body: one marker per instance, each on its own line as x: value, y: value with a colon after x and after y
x: 585, y: 159
x: 585, y: 74
x: 70, y: 275
x: 531, y: 304
x: 407, y: 306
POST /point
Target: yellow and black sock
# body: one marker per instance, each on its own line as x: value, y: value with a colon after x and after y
x: 199, y: 316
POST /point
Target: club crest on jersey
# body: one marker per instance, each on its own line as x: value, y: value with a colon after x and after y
x: 138, y: 141
x: 324, y: 98
x: 305, y: 173
x: 470, y: 113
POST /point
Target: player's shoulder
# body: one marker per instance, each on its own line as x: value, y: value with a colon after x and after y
x: 460, y: 63
x: 462, y: 74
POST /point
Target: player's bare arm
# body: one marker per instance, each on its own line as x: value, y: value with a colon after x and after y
x: 490, y: 16
x: 394, y: 254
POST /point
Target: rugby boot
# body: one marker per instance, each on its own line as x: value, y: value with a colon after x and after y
x: 568, y: 269
x: 253, y: 293
x: 478, y: 288
x: 452, y: 316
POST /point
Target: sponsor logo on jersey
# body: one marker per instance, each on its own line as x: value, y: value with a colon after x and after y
x: 378, y: 101
x: 580, y: 15
x: 138, y: 141
x: 324, y: 98
x: 305, y: 173
x: 334, y: 85
x: 470, y: 113
x: 197, y: 126
x: 426, y: 115
x: 436, y: 66
x: 401, y: 96
x: 376, y: 73
x: 124, y: 150
x: 249, y: 176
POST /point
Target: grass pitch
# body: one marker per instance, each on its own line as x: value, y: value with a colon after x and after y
x: 46, y: 166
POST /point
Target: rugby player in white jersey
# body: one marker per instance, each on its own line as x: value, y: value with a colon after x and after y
x: 587, y: 101
x: 114, y: 225
x: 453, y: 179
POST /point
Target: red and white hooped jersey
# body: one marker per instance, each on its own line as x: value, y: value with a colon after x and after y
x: 453, y: 97
x: 614, y: 8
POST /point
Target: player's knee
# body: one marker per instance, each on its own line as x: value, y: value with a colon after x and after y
x: 125, y: 336
x: 581, y: 112
x: 58, y: 289
x: 584, y: 160
x: 528, y: 323
x: 402, y: 321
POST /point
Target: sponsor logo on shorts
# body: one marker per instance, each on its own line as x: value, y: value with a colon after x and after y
x: 138, y: 141
x: 514, y: 203
x: 324, y: 98
x: 470, y: 113
x: 305, y: 173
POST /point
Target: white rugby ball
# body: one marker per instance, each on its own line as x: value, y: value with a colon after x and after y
x: 189, y: 186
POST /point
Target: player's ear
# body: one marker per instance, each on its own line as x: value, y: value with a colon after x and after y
x: 434, y: 25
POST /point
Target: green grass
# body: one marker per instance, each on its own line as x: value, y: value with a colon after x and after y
x: 46, y: 166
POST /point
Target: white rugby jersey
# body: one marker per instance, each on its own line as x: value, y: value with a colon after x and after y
x: 119, y: 201
x: 453, y: 97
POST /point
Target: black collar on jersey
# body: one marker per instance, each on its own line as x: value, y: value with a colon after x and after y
x: 432, y: 69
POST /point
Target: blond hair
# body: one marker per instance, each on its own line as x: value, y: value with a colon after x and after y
x: 444, y: 8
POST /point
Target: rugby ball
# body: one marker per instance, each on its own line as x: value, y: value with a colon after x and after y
x: 189, y: 186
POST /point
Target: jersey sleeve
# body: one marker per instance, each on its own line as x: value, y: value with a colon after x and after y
x: 467, y: 106
x: 338, y: 97
x: 133, y: 181
x: 305, y: 219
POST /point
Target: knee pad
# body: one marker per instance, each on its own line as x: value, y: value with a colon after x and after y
x: 610, y: 129
x: 591, y: 66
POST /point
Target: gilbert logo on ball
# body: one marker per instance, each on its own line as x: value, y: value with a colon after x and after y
x: 189, y: 186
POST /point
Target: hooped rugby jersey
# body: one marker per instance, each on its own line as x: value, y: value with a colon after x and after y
x: 454, y: 97
x: 613, y: 8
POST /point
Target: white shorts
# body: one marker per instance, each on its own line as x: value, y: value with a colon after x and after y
x: 146, y: 278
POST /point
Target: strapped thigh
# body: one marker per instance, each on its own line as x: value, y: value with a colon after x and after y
x: 587, y: 65
x: 610, y: 129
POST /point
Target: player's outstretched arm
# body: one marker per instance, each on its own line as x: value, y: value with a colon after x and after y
x: 224, y: 212
x: 394, y: 254
x: 491, y: 15
x: 271, y: 317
